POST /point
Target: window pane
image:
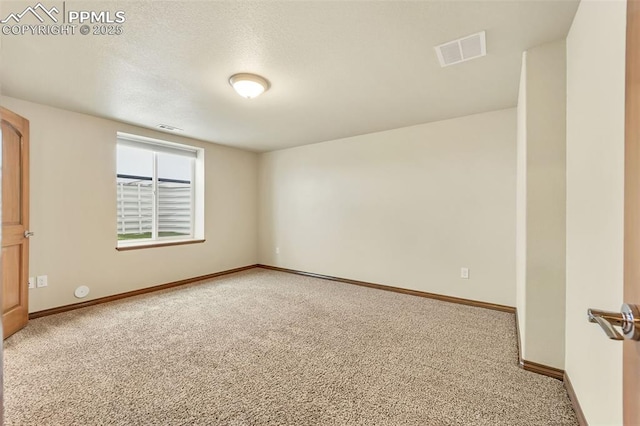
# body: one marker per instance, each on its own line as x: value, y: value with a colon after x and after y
x: 174, y: 195
x: 135, y: 193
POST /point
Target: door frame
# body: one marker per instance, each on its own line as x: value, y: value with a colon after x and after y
x: 631, y: 349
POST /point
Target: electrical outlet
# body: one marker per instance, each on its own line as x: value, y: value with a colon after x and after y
x: 464, y: 273
x: 32, y: 282
x: 277, y: 250
x: 41, y: 281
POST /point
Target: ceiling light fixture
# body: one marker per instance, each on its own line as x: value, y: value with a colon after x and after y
x: 249, y: 85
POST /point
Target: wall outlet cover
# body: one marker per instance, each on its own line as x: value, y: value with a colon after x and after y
x: 464, y: 273
x: 41, y: 281
x: 81, y: 291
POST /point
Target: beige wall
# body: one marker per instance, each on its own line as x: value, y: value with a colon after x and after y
x: 541, y: 208
x: 595, y: 181
x: 73, y: 210
x: 521, y: 206
x: 407, y: 207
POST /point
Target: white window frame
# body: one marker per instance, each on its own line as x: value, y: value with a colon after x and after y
x: 197, y: 189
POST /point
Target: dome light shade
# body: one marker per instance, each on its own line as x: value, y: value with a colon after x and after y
x: 248, y: 85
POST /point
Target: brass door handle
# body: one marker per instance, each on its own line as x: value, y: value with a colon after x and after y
x: 628, y: 320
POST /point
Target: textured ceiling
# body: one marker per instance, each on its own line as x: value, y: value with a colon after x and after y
x: 337, y: 68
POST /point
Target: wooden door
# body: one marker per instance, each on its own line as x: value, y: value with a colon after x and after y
x: 15, y: 221
x: 631, y: 350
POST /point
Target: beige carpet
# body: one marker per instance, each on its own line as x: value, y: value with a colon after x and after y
x: 270, y: 348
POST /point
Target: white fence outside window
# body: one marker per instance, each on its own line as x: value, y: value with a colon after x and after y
x: 135, y: 207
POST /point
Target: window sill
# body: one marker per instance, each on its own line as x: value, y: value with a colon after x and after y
x: 155, y: 244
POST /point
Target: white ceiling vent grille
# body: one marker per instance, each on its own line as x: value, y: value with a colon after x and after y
x: 463, y: 49
x: 169, y: 128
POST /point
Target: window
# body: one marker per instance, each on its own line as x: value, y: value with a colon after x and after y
x: 157, y: 191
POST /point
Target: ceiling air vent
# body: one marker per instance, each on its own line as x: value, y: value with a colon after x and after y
x: 169, y: 128
x: 463, y: 49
